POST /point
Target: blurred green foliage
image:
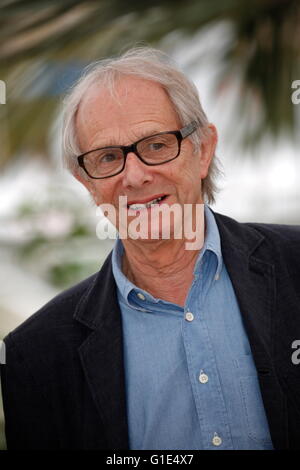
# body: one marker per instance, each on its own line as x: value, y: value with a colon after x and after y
x: 56, y: 237
x: 40, y: 42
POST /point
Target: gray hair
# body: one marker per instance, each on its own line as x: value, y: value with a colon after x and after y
x: 150, y: 64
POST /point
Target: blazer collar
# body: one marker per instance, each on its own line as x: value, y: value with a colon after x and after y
x: 93, y: 309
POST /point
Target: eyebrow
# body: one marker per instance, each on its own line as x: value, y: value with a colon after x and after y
x: 111, y: 143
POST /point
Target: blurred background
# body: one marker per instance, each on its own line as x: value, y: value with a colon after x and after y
x: 243, y: 56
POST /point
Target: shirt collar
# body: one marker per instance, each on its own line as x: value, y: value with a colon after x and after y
x: 212, y: 243
x: 123, y: 283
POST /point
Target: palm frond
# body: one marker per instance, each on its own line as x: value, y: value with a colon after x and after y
x: 44, y: 45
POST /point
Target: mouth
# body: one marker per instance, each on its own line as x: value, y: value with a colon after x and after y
x: 146, y: 204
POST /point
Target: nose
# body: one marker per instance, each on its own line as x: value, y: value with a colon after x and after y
x: 136, y: 173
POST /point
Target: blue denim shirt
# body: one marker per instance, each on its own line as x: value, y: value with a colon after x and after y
x: 191, y: 382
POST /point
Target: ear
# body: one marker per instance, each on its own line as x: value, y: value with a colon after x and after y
x: 208, y: 147
x: 87, y: 182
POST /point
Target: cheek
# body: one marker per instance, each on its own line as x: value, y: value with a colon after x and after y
x: 104, y: 192
x: 95, y: 191
x: 183, y: 176
x: 191, y: 164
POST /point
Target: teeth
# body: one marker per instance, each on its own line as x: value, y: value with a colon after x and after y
x: 143, y: 206
x: 137, y: 206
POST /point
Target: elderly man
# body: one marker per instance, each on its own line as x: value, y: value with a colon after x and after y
x: 167, y: 347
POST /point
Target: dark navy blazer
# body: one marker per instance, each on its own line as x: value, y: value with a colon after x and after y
x: 63, y: 383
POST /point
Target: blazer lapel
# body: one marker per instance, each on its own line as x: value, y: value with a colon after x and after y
x: 101, y: 355
x: 253, y: 279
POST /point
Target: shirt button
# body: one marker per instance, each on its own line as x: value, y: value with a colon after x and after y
x: 140, y: 296
x: 203, y: 378
x: 189, y: 316
x: 216, y: 440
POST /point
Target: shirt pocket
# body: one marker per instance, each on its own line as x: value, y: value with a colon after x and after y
x: 254, y: 411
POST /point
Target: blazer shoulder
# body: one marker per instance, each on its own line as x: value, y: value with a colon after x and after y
x: 55, y: 314
x: 284, y: 246
x: 275, y: 243
x: 249, y: 234
x: 279, y: 233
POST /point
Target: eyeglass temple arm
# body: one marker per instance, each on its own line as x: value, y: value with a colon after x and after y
x: 187, y: 130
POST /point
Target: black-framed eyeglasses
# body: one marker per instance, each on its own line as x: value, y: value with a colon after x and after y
x: 153, y: 150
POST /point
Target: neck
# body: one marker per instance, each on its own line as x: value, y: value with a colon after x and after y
x: 163, y: 268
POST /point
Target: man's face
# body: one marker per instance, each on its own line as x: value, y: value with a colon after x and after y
x: 139, y: 109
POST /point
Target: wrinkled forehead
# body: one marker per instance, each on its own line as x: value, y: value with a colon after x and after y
x: 121, y: 93
x: 130, y: 100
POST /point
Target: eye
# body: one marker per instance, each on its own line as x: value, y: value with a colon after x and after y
x: 108, y: 158
x: 154, y: 146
